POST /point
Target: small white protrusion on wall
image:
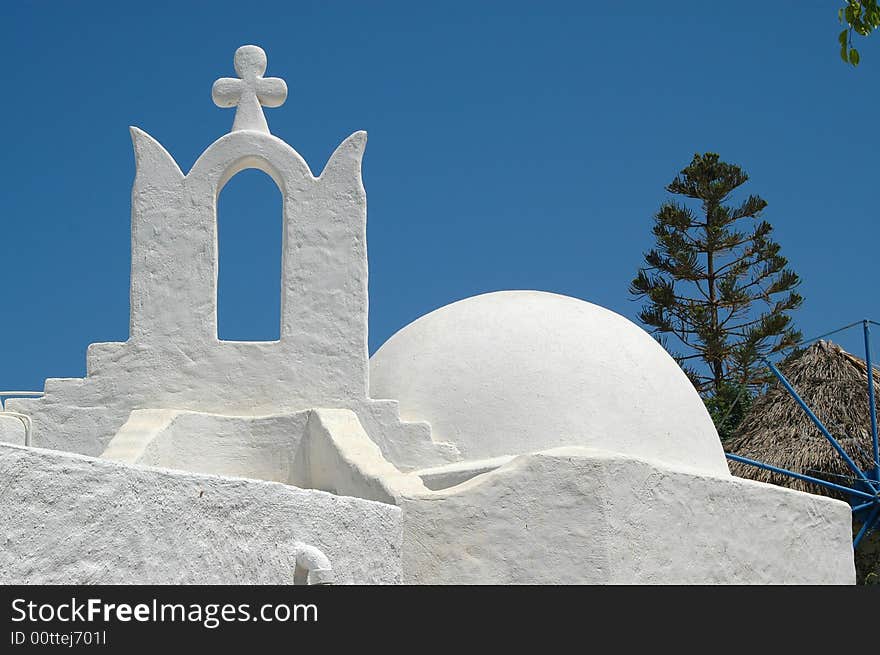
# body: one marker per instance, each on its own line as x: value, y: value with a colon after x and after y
x: 250, y: 93
x: 312, y: 566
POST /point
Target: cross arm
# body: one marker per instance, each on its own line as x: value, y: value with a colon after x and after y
x: 271, y: 91
x: 226, y: 92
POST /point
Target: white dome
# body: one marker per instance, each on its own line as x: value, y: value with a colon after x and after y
x: 520, y: 371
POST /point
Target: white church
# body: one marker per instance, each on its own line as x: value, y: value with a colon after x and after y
x: 516, y: 437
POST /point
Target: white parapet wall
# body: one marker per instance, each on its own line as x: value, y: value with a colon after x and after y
x: 564, y: 515
x: 584, y: 516
x: 72, y: 519
x: 576, y: 515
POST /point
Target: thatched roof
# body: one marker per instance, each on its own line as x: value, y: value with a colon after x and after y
x: 834, y: 384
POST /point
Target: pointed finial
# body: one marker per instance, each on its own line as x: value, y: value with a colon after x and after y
x: 251, y: 91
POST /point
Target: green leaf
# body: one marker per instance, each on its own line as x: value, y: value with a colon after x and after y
x: 854, y: 57
x: 841, y: 38
x: 843, y: 54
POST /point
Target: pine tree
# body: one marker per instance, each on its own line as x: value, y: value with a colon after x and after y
x: 717, y: 283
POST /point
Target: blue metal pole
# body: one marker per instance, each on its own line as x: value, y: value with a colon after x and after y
x: 818, y: 423
x: 859, y: 508
x: 867, y: 526
x: 799, y: 476
x: 872, y: 406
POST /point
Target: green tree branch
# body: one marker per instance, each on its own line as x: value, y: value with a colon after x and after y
x: 860, y: 17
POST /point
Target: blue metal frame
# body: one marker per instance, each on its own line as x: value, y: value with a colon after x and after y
x: 869, y: 481
x: 818, y: 423
x: 801, y: 476
x: 871, y: 404
x: 869, y: 524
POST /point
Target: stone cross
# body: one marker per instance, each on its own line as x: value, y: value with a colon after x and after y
x: 251, y: 91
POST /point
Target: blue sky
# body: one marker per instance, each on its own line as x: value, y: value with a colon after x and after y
x: 511, y: 146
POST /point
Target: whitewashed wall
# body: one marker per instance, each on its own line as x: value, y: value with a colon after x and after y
x: 77, y: 520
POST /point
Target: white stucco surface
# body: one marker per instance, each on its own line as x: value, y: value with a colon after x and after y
x: 326, y: 449
x: 576, y: 515
x: 449, y: 475
x: 12, y: 430
x: 342, y: 459
x: 518, y: 371
x: 259, y: 447
x: 79, y: 520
